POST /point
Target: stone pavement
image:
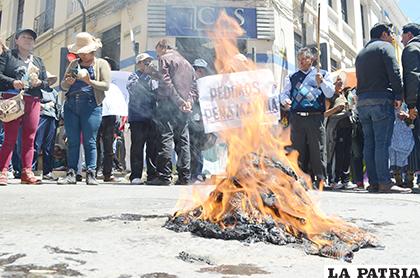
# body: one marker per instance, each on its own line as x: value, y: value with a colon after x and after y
x: 115, y: 231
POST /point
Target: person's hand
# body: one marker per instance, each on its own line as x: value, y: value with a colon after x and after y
x: 49, y: 104
x: 287, y: 104
x: 36, y: 84
x: 70, y: 79
x: 18, y: 85
x: 340, y: 107
x: 402, y: 115
x: 319, y: 78
x: 86, y: 79
x: 397, y: 104
x: 412, y: 113
x: 186, y: 107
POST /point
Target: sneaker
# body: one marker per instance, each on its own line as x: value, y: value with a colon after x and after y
x: 360, y: 185
x: 337, y: 185
x: 70, y: 178
x: 409, y: 179
x: 79, y: 177
x: 49, y: 177
x: 389, y: 188
x: 3, y: 178
x: 111, y: 179
x: 10, y: 175
x: 349, y: 186
x: 182, y: 182
x: 28, y: 177
x: 90, y: 178
x: 158, y: 181
x: 136, y: 181
x: 373, y: 188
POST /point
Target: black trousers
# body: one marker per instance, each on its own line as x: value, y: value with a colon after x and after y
x: 104, y: 145
x: 308, y: 138
x: 343, y: 154
x: 357, y: 153
x: 172, y: 127
x: 143, y: 134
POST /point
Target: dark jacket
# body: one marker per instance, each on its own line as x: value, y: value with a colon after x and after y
x: 10, y: 62
x: 49, y: 104
x: 142, y: 101
x: 177, y: 81
x: 378, y: 72
x: 411, y: 72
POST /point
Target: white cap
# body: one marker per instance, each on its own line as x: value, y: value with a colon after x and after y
x: 142, y: 57
x: 200, y: 63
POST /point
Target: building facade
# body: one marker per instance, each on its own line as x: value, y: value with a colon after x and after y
x: 273, y: 28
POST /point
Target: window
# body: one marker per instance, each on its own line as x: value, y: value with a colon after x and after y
x: 45, y: 20
x: 334, y: 65
x: 362, y: 12
x: 19, y: 19
x: 111, y: 40
x: 74, y: 6
x: 330, y: 3
x: 344, y: 11
x: 1, y: 13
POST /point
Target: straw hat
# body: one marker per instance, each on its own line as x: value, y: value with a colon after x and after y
x: 51, y: 78
x: 85, y: 43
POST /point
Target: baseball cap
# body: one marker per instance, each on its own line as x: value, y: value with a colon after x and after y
x: 26, y: 30
x: 142, y: 57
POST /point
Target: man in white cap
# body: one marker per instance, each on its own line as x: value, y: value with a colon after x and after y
x: 141, y: 109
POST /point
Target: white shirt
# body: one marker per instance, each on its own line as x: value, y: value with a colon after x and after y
x: 114, y: 102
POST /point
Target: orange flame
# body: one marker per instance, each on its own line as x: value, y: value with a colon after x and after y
x: 252, y: 151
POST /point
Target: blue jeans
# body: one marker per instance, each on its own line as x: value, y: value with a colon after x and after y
x: 82, y: 116
x: 378, y: 125
x: 44, y: 140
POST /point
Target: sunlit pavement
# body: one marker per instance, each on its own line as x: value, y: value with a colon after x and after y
x: 116, y: 231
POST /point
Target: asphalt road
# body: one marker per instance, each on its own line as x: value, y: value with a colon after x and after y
x: 116, y: 231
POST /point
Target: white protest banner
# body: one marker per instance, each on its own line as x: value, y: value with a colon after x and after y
x: 120, y: 79
x: 226, y: 98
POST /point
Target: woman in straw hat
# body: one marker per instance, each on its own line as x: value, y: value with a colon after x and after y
x: 85, y: 82
x: 21, y: 70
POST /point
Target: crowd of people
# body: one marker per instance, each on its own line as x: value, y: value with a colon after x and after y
x: 343, y: 134
x: 338, y: 129
x: 159, y: 106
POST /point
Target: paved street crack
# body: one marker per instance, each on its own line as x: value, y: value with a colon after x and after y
x: 60, y: 251
x: 191, y: 258
x: 56, y: 269
x: 127, y: 217
x: 81, y: 262
x: 11, y: 259
x: 158, y: 275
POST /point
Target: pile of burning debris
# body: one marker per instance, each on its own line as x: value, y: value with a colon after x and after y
x: 266, y: 216
x: 264, y: 197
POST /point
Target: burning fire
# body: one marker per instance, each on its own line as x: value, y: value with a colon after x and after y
x: 260, y: 183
